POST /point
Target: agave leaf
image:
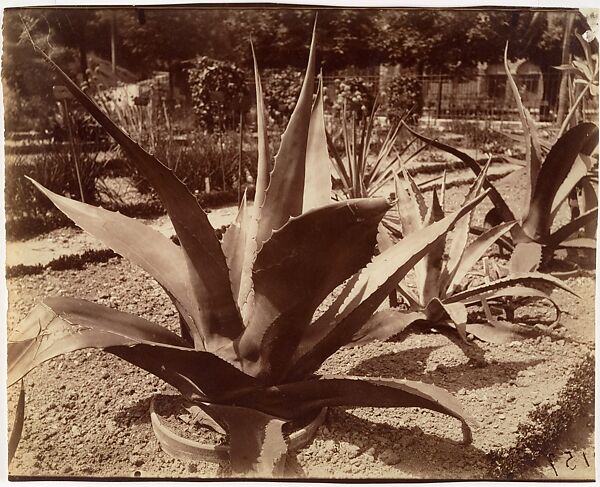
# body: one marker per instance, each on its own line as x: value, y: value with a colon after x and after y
x: 416, y: 193
x: 500, y: 332
x: 263, y: 177
x: 17, y: 429
x: 244, y: 296
x: 384, y: 176
x: 339, y: 164
x: 460, y: 237
x: 283, y: 197
x: 297, y: 268
x: 429, y: 269
x: 472, y: 254
x: 580, y: 168
x: 385, y: 324
x: 139, y: 243
x: 384, y: 241
x: 317, y: 181
x: 369, y: 289
x: 508, y: 292
x: 578, y: 243
x: 443, y: 191
x: 533, y: 153
x: 234, y: 246
x: 298, y: 399
x: 413, y: 300
x: 375, y: 172
x: 407, y: 208
x: 208, y: 273
x: 505, y: 212
x: 526, y: 257
x: 60, y: 325
x: 257, y: 446
x: 590, y: 200
x: 524, y: 279
x: 564, y: 232
x: 558, y: 163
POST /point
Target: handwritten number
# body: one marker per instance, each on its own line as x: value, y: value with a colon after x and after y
x: 568, y: 452
x: 586, y: 460
x: 549, y: 457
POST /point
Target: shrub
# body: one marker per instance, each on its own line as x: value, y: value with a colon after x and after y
x: 356, y: 94
x: 282, y: 88
x: 57, y: 171
x: 404, y: 94
x: 219, y: 93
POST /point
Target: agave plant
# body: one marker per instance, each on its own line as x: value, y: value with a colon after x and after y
x: 362, y: 174
x: 585, y: 72
x: 249, y: 348
x: 549, y: 184
x: 441, y: 297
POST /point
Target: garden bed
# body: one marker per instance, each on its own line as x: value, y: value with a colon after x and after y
x: 87, y: 412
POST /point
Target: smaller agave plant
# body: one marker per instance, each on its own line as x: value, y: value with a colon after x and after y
x: 535, y: 237
x: 251, y: 342
x: 441, y: 297
x: 363, y: 174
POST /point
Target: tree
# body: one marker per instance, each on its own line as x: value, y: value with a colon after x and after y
x: 347, y: 37
x: 81, y: 29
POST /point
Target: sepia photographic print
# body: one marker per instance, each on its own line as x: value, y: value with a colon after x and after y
x: 298, y: 242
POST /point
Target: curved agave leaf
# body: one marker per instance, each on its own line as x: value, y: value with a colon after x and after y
x: 578, y: 243
x: 509, y: 292
x: 208, y: 273
x: 590, y: 200
x: 60, y: 325
x: 297, y: 268
x: 460, y: 238
x: 556, y: 167
x: 284, y: 195
x: 257, y: 446
x: 369, y: 289
x: 524, y: 279
x: 505, y: 212
x: 317, y: 181
x: 262, y: 182
x: 533, y: 151
x: 298, y: 399
x: 234, y: 245
x: 415, y: 191
x: 580, y: 168
x: 429, y: 269
x: 471, y: 256
x: 17, y: 429
x: 526, y: 257
x: 140, y: 244
x: 385, y: 324
x: 561, y: 235
x: 407, y: 208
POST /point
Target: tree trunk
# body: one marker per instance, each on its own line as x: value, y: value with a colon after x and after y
x: 563, y: 95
